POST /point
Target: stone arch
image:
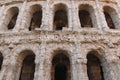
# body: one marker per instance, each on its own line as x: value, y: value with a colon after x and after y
x: 35, y: 16
x: 86, y: 15
x: 94, y: 67
x: 60, y: 20
x: 51, y: 52
x: 27, y: 58
x: 60, y: 69
x: 11, y: 18
x: 111, y: 17
x: 33, y: 47
x: 54, y: 51
x: 25, y: 53
x: 18, y: 57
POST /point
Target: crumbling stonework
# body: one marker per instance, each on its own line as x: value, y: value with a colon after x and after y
x: 39, y: 38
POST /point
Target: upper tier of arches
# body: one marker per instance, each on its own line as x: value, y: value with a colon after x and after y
x: 59, y: 16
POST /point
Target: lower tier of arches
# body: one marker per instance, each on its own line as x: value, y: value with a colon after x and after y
x: 61, y: 66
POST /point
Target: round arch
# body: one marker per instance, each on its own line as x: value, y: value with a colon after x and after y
x: 52, y: 51
x: 32, y: 47
x: 60, y: 69
x: 22, y: 53
x: 111, y: 17
x: 86, y: 15
x: 94, y: 67
x: 60, y: 16
x: 35, y: 16
x: 27, y: 60
x: 58, y: 6
x: 11, y: 18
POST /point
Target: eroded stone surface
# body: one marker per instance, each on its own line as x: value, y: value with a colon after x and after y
x: 45, y: 42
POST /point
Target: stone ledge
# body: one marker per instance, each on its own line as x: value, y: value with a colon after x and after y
x: 84, y: 36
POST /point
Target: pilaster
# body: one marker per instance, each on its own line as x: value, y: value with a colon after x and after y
x: 118, y: 14
x: 4, y: 68
x: 76, y: 25
x: 70, y: 27
x: 47, y: 69
x: 47, y: 18
x: 101, y: 17
x: 19, y: 23
x: 39, y: 63
x: 111, y: 68
x: 81, y: 69
x: 11, y: 69
x: 2, y: 17
x: 95, y: 18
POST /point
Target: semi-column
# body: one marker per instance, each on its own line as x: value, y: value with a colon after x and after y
x: 110, y: 65
x: 4, y: 68
x: 39, y: 63
x: 118, y: 13
x: 96, y: 17
x: 101, y: 16
x: 20, y: 19
x: 47, y: 17
x: 2, y: 9
x: 11, y: 70
x: 76, y: 25
x: 70, y: 27
x: 82, y: 69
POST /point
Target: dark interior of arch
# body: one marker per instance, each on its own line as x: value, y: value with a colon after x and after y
x: 60, y: 19
x: 1, y: 60
x: 12, y: 21
x: 94, y: 68
x: 61, y: 66
x: 109, y: 20
x: 28, y: 68
x: 85, y: 19
x: 36, y: 20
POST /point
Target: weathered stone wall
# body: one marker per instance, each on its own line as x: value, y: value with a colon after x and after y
x: 44, y: 41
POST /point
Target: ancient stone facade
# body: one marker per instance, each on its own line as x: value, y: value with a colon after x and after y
x: 59, y: 40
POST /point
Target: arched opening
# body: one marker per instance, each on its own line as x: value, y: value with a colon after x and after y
x: 60, y: 72
x: 86, y: 16
x: 109, y: 20
x: 94, y: 68
x: 12, y: 17
x: 111, y: 17
x: 36, y: 19
x: 85, y: 19
x: 28, y: 68
x: 1, y: 60
x: 60, y: 67
x: 60, y: 17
